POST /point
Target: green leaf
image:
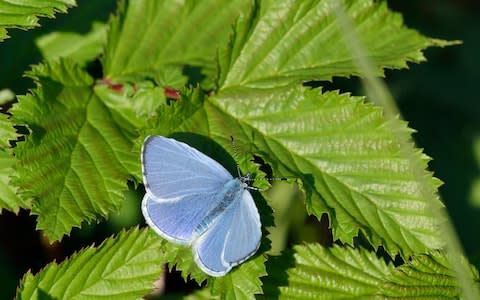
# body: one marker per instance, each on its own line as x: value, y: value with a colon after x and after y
x: 74, y: 162
x: 293, y: 41
x: 341, y: 149
x: 131, y: 109
x: 316, y: 272
x: 203, y: 294
x: 243, y: 282
x: 24, y: 14
x: 9, y: 198
x: 133, y: 105
x: 183, y: 261
x: 80, y: 47
x: 8, y: 191
x: 7, y: 132
x: 122, y: 267
x: 152, y: 39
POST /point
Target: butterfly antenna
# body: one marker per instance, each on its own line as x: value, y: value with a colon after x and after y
x: 247, y: 177
x: 263, y: 178
x: 256, y: 189
x: 270, y: 179
x: 235, y: 155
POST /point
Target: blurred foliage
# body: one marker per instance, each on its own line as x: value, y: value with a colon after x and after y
x: 440, y: 100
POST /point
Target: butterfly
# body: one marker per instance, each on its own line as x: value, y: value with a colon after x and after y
x: 192, y: 200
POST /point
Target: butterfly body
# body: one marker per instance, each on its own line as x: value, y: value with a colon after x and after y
x: 231, y: 191
x: 192, y: 200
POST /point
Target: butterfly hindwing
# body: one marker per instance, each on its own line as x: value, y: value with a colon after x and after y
x: 208, y: 248
x: 245, y: 232
x: 231, y: 239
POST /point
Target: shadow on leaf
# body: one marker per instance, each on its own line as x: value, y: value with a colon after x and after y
x: 277, y: 267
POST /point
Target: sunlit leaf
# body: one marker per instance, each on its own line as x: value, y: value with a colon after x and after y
x: 74, y: 161
x: 341, y: 148
x: 155, y: 39
x: 77, y: 46
x: 122, y: 267
x: 293, y: 41
x: 345, y: 273
x: 9, y: 199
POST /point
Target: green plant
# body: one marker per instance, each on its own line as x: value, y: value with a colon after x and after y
x: 243, y: 69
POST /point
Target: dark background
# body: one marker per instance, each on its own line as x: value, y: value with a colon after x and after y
x: 438, y: 99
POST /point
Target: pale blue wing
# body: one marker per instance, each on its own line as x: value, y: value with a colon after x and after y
x: 208, y: 248
x: 173, y: 170
x: 181, y: 185
x: 176, y: 220
x: 231, y: 239
x: 245, y: 234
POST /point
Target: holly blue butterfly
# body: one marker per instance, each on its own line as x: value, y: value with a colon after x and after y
x: 192, y: 200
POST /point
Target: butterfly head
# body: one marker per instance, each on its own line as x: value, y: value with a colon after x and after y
x: 245, y: 180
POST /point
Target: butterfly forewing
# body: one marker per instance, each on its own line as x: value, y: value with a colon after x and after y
x: 181, y: 185
x: 172, y: 169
